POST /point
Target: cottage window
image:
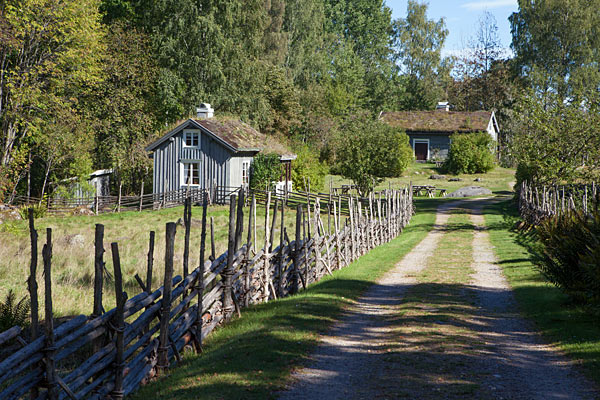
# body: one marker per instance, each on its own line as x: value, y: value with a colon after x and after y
x: 191, y: 139
x: 191, y: 174
x: 245, y: 173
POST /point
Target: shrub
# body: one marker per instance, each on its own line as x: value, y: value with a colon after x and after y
x: 308, y: 166
x: 470, y: 153
x: 265, y: 169
x: 39, y: 211
x: 370, y: 150
x: 13, y: 313
x: 569, y: 254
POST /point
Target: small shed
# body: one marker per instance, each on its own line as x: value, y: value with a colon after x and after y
x: 206, y: 150
x: 429, y: 131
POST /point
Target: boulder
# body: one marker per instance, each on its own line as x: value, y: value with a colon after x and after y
x: 469, y: 191
x: 478, y: 179
x: 196, y: 223
x: 455, y: 180
x: 75, y: 240
x: 435, y: 176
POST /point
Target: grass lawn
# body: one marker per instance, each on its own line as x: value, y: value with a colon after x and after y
x: 567, y: 327
x: 73, y: 262
x: 252, y: 357
x: 498, y: 180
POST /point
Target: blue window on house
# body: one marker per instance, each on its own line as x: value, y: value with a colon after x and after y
x: 191, y: 139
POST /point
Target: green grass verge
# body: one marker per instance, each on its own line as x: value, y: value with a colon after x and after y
x: 252, y: 357
x: 566, y: 326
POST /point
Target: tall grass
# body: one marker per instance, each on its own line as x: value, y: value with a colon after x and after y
x: 73, y: 260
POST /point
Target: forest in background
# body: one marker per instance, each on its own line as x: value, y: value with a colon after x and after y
x: 87, y: 84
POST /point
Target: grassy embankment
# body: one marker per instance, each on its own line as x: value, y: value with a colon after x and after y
x: 252, y: 356
x: 563, y: 324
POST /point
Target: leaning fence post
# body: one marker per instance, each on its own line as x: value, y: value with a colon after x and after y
x: 98, y: 277
x: 163, y: 350
x: 49, y: 350
x: 117, y: 392
x: 32, y: 284
x: 228, y: 272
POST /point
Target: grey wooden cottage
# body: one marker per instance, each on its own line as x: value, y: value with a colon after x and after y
x: 429, y: 131
x: 206, y: 150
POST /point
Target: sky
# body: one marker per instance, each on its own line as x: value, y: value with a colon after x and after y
x: 462, y: 18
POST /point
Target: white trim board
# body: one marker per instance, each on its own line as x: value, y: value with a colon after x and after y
x: 415, y: 141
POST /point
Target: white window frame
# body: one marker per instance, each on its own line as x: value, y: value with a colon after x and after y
x: 182, y: 173
x: 246, y: 168
x: 192, y: 133
x: 415, y: 141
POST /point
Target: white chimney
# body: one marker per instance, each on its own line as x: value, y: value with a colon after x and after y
x: 443, y: 106
x: 204, y: 111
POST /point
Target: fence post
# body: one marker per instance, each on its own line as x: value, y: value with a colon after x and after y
x: 213, y: 251
x: 280, y: 261
x: 32, y: 284
x: 163, y: 350
x: 247, y: 287
x: 49, y: 350
x: 117, y: 392
x: 200, y: 279
x: 187, y: 220
x: 228, y: 272
x: 239, y: 227
x: 150, y: 263
x: 338, y: 252
x: 119, y: 199
x: 98, y: 278
x: 266, y: 251
x: 297, y: 248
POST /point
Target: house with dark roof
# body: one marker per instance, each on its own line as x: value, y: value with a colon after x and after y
x: 430, y: 131
x: 206, y: 151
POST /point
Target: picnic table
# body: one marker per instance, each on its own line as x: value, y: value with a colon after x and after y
x: 428, y: 190
x: 345, y: 189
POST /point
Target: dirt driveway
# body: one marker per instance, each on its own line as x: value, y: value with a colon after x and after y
x: 441, y: 325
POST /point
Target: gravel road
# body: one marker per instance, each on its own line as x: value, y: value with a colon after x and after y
x: 515, y: 363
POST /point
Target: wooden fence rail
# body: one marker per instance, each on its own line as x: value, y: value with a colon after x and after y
x: 153, y: 201
x: 538, y: 203
x: 109, y: 354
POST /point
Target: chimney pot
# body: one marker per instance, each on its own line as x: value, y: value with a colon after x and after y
x: 204, y: 111
x: 443, y: 106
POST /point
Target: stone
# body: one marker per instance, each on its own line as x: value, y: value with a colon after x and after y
x: 455, y: 180
x: 75, y: 240
x: 469, y: 191
x: 478, y: 179
x: 435, y: 176
x: 196, y: 223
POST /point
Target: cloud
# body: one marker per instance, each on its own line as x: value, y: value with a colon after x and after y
x: 488, y: 4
